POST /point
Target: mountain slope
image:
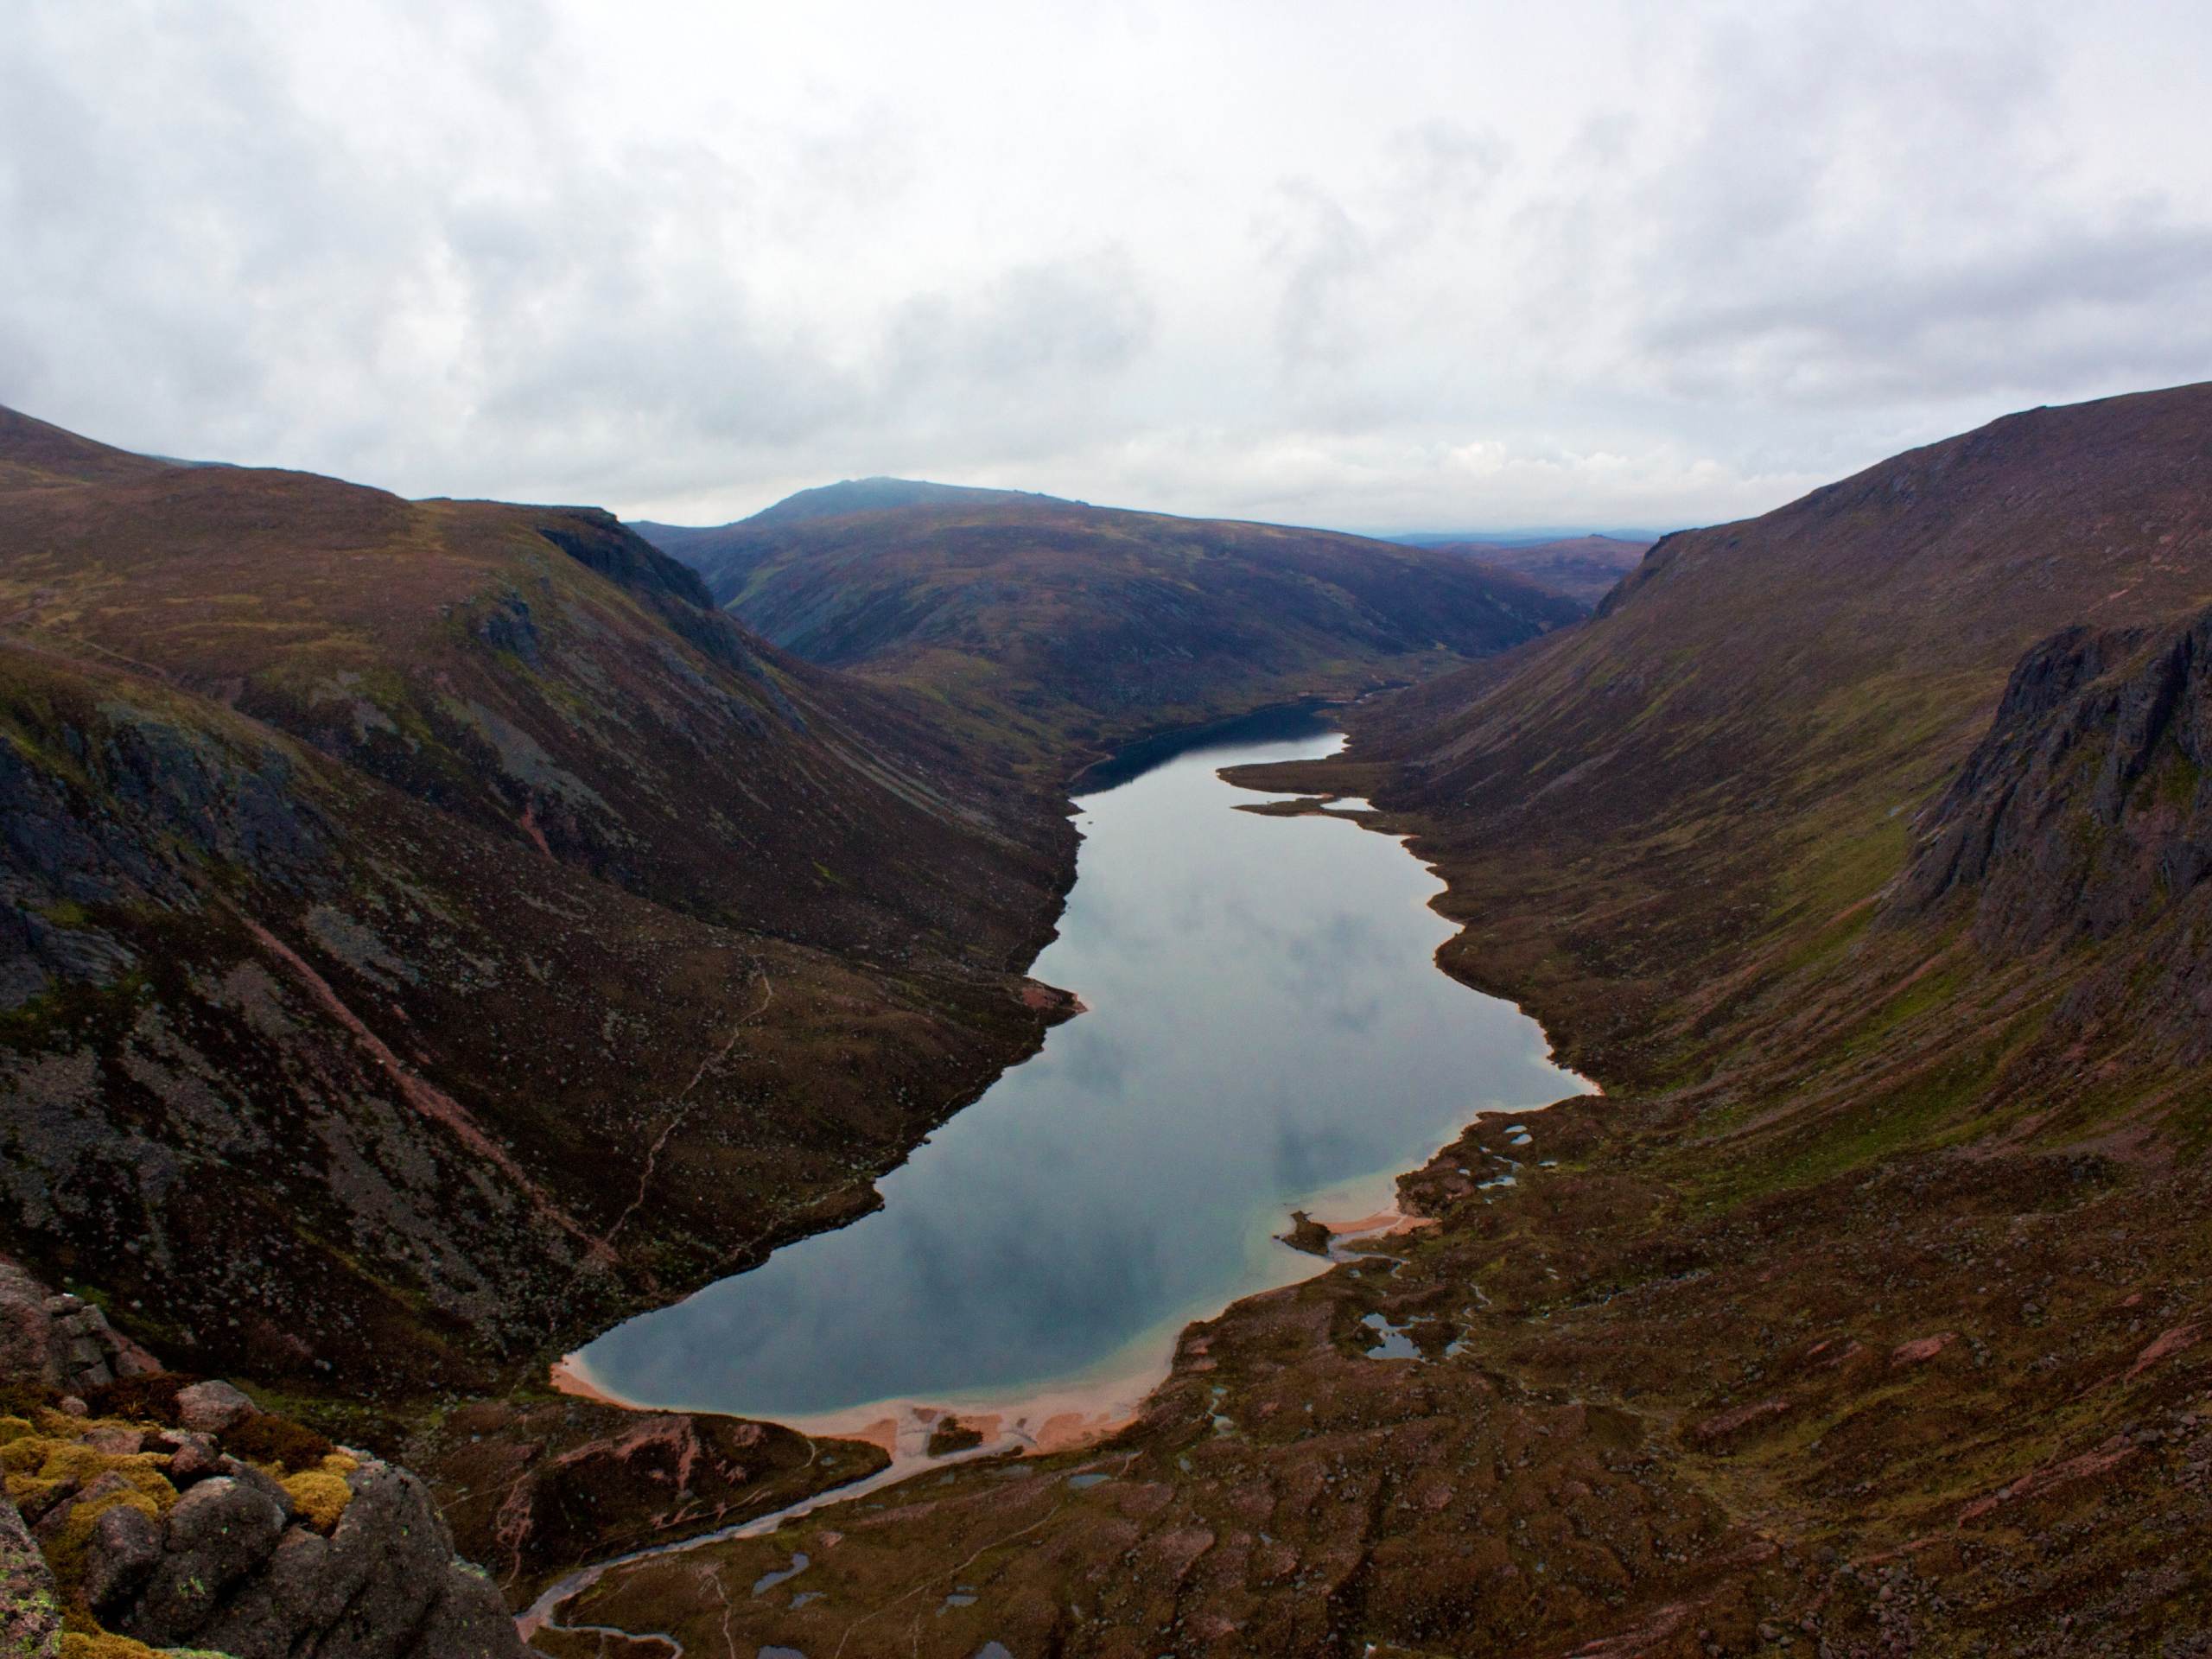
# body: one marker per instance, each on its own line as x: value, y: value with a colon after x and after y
x: 1076, y: 623
x: 434, y: 930
x: 1860, y: 850
x: 1583, y: 567
x: 33, y: 452
x: 1741, y: 736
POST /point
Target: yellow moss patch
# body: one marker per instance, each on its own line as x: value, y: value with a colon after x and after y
x: 42, y: 1458
x: 341, y: 1464
x: 66, y: 1460
x: 14, y: 1428
x: 25, y: 1490
x: 319, y: 1497
x: 24, y: 1455
x: 66, y: 1550
x: 148, y: 1473
x: 77, y: 1645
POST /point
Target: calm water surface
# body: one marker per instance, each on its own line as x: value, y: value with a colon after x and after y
x: 1267, y: 1030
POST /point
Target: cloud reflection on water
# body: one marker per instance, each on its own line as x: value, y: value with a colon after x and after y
x: 1267, y: 1022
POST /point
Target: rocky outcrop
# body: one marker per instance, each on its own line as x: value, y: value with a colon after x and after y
x: 2082, y: 823
x: 236, y: 1568
x: 2088, y: 807
x: 62, y: 1340
x: 600, y: 541
x: 176, y: 1513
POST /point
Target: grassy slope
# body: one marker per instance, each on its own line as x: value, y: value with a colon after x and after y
x: 1863, y: 1314
x: 437, y: 931
x: 1067, y: 626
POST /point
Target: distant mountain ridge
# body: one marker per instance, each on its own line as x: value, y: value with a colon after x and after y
x: 1584, y: 568
x: 835, y: 501
x: 1066, y: 623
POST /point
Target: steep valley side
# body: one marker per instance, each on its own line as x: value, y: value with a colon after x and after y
x: 434, y: 929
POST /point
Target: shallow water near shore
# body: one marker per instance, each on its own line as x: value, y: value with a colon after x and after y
x: 1266, y: 1029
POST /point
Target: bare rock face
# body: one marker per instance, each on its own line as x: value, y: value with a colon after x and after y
x: 2084, y: 817
x: 62, y: 1341
x: 2086, y: 806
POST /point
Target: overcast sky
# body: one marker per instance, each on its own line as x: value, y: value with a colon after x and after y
x: 1392, y: 266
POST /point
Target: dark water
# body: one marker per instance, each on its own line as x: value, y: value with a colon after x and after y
x: 1266, y: 1023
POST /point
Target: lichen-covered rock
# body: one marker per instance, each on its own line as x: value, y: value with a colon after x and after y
x: 468, y: 1621
x: 30, y: 1616
x: 126, y: 1547
x: 238, y: 1531
x: 24, y: 1324
x: 193, y: 1456
x: 383, y: 1585
x: 391, y: 1550
x: 295, y: 1593
x: 59, y: 1341
x: 219, y: 1531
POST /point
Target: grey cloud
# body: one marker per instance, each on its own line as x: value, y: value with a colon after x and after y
x: 2068, y: 306
x: 1323, y: 252
x: 1336, y: 248
x: 1083, y: 315
x: 1631, y: 268
x: 1907, y: 232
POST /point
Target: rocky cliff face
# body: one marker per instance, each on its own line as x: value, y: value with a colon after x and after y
x: 2086, y: 811
x: 2081, y: 828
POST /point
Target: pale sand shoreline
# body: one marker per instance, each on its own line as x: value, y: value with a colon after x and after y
x: 1055, y: 1418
